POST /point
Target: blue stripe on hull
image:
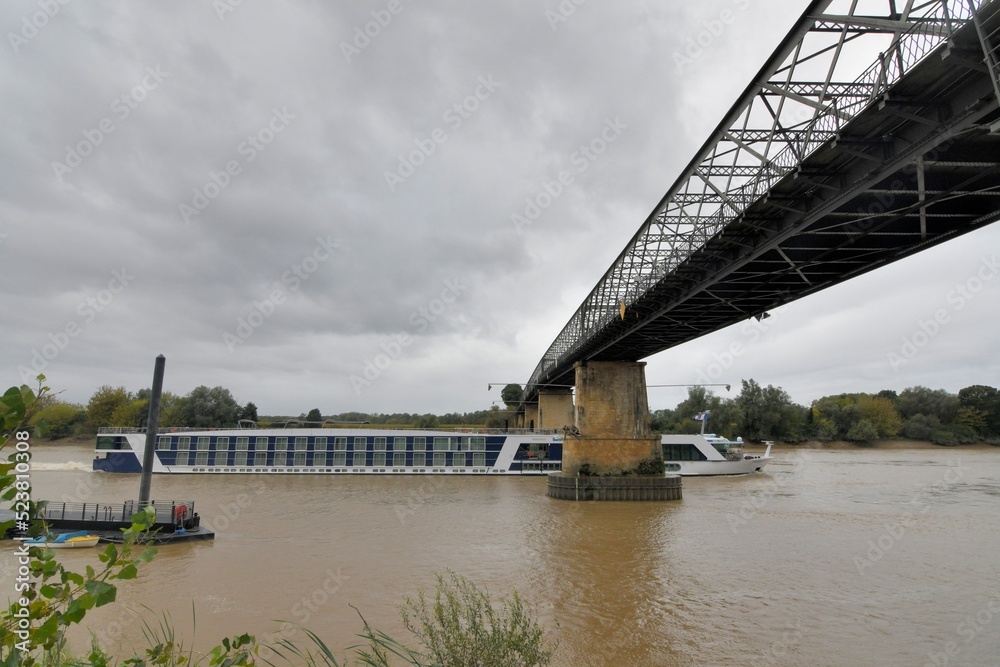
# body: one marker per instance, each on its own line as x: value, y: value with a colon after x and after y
x: 118, y: 462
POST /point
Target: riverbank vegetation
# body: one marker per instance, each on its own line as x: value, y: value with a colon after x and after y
x: 917, y: 413
x: 757, y: 413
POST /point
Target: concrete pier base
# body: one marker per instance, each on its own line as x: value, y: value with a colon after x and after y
x: 565, y: 487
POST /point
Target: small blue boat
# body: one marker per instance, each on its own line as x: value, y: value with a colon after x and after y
x: 75, y: 540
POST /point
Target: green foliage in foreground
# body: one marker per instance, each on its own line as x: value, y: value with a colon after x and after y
x: 462, y: 627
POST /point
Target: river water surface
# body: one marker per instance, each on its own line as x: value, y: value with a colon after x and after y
x: 830, y: 557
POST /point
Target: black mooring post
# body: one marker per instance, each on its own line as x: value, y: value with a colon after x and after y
x: 151, y: 423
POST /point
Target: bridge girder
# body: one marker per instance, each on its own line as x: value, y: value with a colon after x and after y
x: 816, y: 174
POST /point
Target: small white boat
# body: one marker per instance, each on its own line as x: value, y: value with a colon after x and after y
x: 75, y: 540
x: 709, y: 454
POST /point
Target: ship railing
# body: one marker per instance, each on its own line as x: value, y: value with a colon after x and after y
x: 167, y: 511
x: 125, y: 430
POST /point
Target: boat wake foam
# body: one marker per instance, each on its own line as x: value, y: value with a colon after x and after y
x: 69, y: 466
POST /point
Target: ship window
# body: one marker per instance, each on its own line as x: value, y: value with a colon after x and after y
x: 478, y: 443
x: 479, y: 459
x: 242, y: 442
x: 378, y: 459
x: 340, y: 443
x: 300, y: 459
x: 319, y: 459
x: 182, y: 458
x: 339, y: 459
x: 203, y: 443
x: 260, y: 442
x: 184, y: 442
x: 359, y: 459
x: 241, y: 458
x: 201, y: 459
x: 460, y: 459
x: 301, y: 442
x: 320, y: 444
x: 440, y: 459
x: 260, y: 458
x: 360, y: 444
x: 399, y: 459
x: 419, y: 443
x: 281, y: 444
x: 163, y: 443
x: 107, y: 442
x: 441, y: 445
x: 399, y: 443
x: 419, y: 459
x: 379, y: 444
x: 222, y: 443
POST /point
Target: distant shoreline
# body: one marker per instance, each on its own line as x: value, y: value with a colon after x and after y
x: 878, y: 444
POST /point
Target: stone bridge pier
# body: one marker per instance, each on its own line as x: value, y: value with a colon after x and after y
x: 613, y: 439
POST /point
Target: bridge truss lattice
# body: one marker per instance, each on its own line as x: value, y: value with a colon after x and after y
x: 823, y: 124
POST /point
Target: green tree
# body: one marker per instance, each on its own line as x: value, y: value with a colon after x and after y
x: 427, y: 421
x: 881, y: 414
x: 58, y: 420
x: 248, y: 411
x: 205, y: 407
x: 103, y: 403
x: 862, y: 431
x: 171, y: 410
x: 131, y: 414
x: 924, y: 401
x: 314, y: 416
x: 495, y: 418
x: 766, y: 413
x: 920, y: 427
x: 985, y: 401
x: 512, y: 395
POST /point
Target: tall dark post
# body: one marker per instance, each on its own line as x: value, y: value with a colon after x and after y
x: 151, y: 423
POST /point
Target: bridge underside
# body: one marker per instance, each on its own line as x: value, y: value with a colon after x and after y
x: 918, y: 167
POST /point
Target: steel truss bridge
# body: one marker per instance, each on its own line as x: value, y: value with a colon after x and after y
x: 865, y: 138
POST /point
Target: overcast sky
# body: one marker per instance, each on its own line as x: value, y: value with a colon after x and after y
x: 312, y: 216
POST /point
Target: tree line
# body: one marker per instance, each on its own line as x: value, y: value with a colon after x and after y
x: 757, y: 413
x: 767, y: 413
x: 215, y: 407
